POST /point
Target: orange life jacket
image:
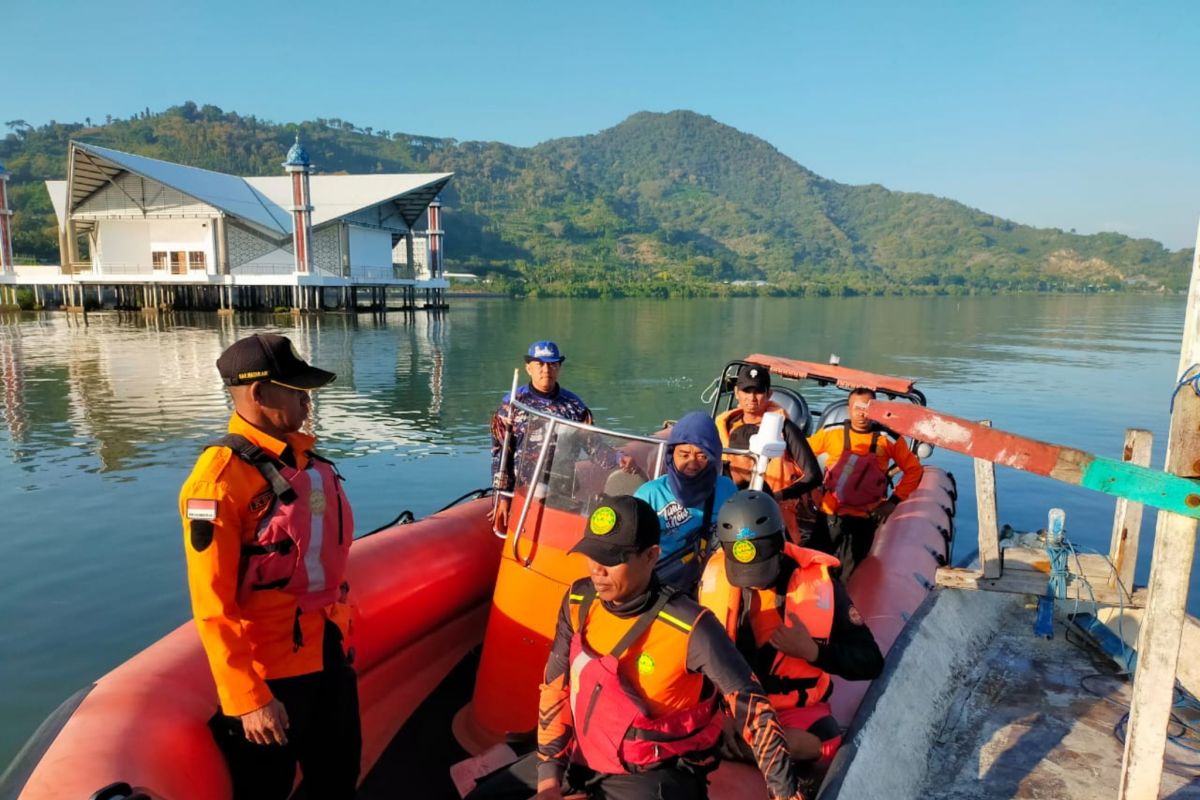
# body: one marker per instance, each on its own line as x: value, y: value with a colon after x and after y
x: 789, y: 682
x: 782, y: 472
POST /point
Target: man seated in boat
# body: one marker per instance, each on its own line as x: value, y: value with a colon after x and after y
x: 630, y: 704
x: 543, y: 363
x: 686, y: 498
x: 267, y: 533
x: 789, y: 477
x: 856, y: 500
x: 791, y: 620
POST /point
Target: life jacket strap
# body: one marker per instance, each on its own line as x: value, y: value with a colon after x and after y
x: 317, y: 457
x: 846, y: 438
x: 640, y: 626
x: 282, y: 548
x: 266, y: 464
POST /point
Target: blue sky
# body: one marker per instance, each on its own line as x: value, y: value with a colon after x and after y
x: 1080, y: 115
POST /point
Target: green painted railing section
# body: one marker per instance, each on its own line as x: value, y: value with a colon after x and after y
x: 1143, y: 485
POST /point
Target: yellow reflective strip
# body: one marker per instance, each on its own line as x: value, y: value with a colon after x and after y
x: 575, y: 597
x: 676, y: 621
x: 289, y: 386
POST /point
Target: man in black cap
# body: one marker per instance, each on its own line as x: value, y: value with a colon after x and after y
x: 267, y: 531
x: 788, y: 477
x: 630, y: 707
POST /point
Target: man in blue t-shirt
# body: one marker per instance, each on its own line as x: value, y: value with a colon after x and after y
x: 687, y: 499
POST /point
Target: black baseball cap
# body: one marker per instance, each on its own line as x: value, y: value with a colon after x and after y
x: 269, y: 357
x: 755, y: 377
x: 753, y: 563
x: 619, y: 527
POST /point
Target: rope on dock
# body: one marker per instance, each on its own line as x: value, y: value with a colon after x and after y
x: 1191, y: 375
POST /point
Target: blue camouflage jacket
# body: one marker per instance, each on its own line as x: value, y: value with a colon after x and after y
x: 559, y: 403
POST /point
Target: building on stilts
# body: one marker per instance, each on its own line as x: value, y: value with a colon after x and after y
x: 137, y: 232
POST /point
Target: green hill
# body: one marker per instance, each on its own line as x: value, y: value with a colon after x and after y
x: 661, y: 204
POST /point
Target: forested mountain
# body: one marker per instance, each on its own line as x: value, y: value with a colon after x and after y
x: 671, y: 203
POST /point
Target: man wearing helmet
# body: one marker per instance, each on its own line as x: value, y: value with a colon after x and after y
x: 794, y: 645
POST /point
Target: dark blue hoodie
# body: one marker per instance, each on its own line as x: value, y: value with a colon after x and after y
x: 698, y: 430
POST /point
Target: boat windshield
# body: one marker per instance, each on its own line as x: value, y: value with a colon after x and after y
x: 568, y: 465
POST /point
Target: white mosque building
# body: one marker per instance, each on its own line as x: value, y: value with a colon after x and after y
x: 160, y: 233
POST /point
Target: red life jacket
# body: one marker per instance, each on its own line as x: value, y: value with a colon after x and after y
x: 750, y: 617
x: 857, y: 480
x: 302, y: 544
x: 614, y: 732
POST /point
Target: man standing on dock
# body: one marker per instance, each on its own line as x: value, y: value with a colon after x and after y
x: 856, y: 501
x: 267, y: 531
x: 543, y: 362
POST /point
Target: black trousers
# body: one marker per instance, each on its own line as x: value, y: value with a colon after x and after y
x: 324, y: 735
x: 669, y: 782
x: 847, y: 537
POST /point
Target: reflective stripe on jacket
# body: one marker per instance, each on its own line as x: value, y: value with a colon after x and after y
x: 788, y: 681
x: 625, y: 724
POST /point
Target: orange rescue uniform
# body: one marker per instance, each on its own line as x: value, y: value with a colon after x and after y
x: 831, y: 442
x: 246, y: 644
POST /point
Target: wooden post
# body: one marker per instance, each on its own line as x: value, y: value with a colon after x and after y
x: 985, y: 502
x: 1166, y: 605
x: 1127, y: 521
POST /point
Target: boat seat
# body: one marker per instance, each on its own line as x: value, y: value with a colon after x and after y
x: 835, y: 413
x: 621, y: 482
x: 796, y: 407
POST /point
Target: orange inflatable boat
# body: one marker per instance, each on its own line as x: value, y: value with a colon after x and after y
x: 425, y: 593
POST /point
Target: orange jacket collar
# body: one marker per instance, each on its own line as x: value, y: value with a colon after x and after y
x: 300, y: 442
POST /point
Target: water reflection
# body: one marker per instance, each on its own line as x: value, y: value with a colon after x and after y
x: 103, y: 421
x: 126, y: 382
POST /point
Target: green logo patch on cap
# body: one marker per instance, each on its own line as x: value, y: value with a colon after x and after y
x: 744, y: 551
x: 603, y: 520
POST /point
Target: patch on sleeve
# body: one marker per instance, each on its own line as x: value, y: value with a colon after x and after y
x: 261, y: 501
x: 855, y: 617
x: 201, y: 534
x: 201, y: 509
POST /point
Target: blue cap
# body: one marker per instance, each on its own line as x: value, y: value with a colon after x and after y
x: 546, y: 351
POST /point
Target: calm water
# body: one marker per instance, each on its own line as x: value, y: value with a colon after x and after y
x: 102, y: 423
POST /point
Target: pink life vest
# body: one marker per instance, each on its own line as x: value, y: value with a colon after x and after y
x: 613, y: 732
x: 857, y: 480
x: 302, y: 544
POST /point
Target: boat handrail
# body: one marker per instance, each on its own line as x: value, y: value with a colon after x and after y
x: 555, y: 422
x: 588, y: 427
